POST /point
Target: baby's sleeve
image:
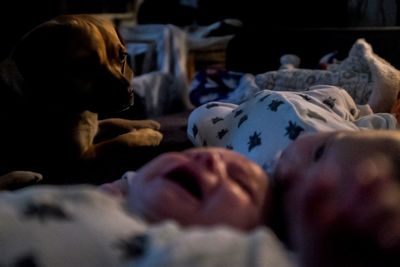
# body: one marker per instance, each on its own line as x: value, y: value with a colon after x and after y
x: 202, y: 120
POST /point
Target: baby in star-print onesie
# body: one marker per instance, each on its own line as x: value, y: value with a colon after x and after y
x: 266, y: 124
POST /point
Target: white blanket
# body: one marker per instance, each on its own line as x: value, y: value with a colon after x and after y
x: 81, y: 226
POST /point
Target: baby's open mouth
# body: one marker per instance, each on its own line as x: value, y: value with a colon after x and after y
x: 186, y: 179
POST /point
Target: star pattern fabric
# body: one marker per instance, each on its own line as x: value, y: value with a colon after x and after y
x: 242, y: 120
x: 254, y: 140
x: 45, y: 212
x: 264, y: 97
x: 238, y: 112
x: 222, y: 133
x: 102, y: 233
x: 133, y: 247
x: 305, y: 97
x: 216, y: 119
x: 195, y: 130
x: 293, y: 130
x: 68, y: 226
x: 274, y: 105
x: 315, y: 115
x: 27, y: 260
x: 330, y: 102
x: 263, y: 126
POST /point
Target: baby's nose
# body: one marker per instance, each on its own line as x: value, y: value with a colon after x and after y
x: 210, y: 161
x: 214, y: 171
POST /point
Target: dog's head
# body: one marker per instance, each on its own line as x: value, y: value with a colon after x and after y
x: 75, y: 62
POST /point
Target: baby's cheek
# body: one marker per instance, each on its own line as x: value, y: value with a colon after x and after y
x: 371, y: 205
x: 233, y: 207
x: 314, y: 204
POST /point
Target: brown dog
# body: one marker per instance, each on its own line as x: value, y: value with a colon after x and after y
x: 53, y: 86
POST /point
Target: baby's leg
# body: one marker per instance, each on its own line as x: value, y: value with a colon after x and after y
x: 343, y: 105
x: 337, y: 100
x: 377, y: 121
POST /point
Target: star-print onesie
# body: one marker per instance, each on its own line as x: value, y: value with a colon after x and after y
x: 264, y: 125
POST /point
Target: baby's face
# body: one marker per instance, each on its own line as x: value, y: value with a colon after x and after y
x: 339, y: 155
x: 345, y: 180
x: 201, y: 187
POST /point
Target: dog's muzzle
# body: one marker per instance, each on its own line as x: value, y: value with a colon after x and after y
x: 131, y: 97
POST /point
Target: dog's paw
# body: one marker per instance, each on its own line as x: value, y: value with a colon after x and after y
x: 142, y: 137
x: 19, y: 179
x: 155, y: 137
x: 140, y: 124
x: 111, y: 128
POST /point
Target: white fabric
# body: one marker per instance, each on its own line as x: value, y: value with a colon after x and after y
x: 264, y: 125
x: 171, y: 52
x: 158, y: 91
x: 47, y: 226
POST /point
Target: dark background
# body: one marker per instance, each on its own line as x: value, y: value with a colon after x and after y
x: 18, y: 17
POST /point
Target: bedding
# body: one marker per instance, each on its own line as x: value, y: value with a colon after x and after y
x: 81, y: 226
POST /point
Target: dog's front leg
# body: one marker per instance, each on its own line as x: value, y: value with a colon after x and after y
x: 113, y: 127
x: 84, y: 134
x: 124, y: 144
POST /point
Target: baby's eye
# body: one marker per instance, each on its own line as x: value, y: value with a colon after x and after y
x: 319, y: 152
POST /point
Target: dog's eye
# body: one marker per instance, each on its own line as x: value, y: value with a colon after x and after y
x: 122, y: 56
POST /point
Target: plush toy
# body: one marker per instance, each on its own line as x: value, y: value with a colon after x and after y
x: 359, y: 74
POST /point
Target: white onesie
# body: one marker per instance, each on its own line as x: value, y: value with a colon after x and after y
x: 264, y: 125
